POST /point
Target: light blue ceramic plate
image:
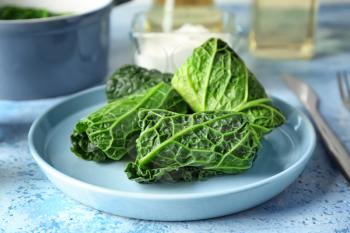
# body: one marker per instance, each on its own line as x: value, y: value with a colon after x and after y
x: 105, y: 187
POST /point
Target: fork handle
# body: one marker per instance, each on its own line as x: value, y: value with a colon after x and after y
x: 334, y: 145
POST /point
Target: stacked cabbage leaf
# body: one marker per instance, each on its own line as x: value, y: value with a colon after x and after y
x: 209, y: 121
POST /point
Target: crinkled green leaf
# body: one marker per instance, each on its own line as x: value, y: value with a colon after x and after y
x: 215, y: 78
x: 132, y: 79
x: 110, y: 132
x: 12, y: 12
x: 174, y: 147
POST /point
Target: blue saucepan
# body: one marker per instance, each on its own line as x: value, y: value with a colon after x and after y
x: 54, y: 56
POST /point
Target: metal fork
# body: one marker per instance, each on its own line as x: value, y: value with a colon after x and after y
x: 344, y: 87
x: 310, y: 100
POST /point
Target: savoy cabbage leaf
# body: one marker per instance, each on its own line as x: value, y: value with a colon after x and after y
x: 131, y: 79
x: 175, y: 147
x: 110, y: 132
x: 215, y: 78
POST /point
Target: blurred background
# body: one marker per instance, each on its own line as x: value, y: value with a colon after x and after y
x: 86, y: 41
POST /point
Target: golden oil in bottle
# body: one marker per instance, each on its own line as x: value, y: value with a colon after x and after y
x: 283, y: 29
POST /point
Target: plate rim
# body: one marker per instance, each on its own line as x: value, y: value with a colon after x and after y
x: 52, y: 171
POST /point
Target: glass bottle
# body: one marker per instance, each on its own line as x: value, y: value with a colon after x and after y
x: 283, y: 29
x: 169, y: 15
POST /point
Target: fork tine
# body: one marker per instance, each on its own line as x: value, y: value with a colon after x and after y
x: 344, y: 87
x: 347, y: 84
x: 341, y: 85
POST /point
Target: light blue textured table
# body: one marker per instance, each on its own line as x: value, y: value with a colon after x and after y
x: 318, y: 201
